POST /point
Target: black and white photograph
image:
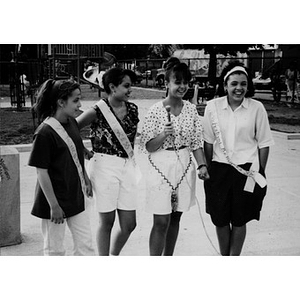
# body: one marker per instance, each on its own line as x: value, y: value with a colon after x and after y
x: 165, y: 169
x: 163, y: 144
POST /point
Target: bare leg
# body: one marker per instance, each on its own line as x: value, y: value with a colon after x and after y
x: 172, y: 233
x: 106, y: 222
x: 223, y: 234
x: 231, y: 240
x: 238, y: 235
x: 127, y: 220
x: 158, y: 234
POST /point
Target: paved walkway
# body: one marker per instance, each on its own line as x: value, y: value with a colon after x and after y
x: 276, y: 234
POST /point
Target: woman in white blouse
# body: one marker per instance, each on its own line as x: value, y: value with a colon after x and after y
x: 171, y: 131
x: 237, y: 138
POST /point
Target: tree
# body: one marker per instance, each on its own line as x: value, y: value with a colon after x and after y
x: 214, y: 49
x: 166, y: 50
x: 127, y: 51
x: 163, y: 50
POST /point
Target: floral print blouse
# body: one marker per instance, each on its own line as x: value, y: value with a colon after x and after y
x: 102, y: 136
x: 187, y: 125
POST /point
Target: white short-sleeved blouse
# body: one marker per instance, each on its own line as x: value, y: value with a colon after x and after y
x: 243, y: 131
x: 187, y: 126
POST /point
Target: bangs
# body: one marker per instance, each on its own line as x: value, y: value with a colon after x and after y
x: 181, y: 72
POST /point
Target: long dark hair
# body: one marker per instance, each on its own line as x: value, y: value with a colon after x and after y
x: 48, y: 94
x: 234, y: 63
x: 179, y: 69
x: 115, y: 76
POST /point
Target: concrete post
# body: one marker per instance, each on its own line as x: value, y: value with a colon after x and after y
x: 9, y: 196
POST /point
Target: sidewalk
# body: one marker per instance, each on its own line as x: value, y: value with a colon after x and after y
x: 277, y: 233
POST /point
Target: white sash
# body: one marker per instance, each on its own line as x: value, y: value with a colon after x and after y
x: 253, y: 174
x: 55, y: 124
x: 120, y: 134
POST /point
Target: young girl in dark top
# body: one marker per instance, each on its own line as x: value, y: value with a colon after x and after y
x: 57, y: 153
x: 111, y: 169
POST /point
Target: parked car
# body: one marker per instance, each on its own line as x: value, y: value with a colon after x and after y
x: 147, y: 74
x: 160, y: 77
x: 139, y: 76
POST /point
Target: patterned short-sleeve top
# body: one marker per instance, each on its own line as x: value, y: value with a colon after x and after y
x: 187, y: 125
x: 102, y: 136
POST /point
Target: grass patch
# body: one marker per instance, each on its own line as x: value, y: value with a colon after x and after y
x: 17, y: 126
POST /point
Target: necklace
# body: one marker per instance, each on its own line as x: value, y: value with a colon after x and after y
x: 174, y: 195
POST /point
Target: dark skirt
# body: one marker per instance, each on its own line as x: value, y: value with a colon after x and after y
x: 226, y: 201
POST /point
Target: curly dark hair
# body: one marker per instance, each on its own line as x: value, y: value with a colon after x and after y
x: 231, y: 64
x: 115, y: 76
x: 179, y: 69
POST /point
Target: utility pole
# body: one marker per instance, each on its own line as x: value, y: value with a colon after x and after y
x: 17, y: 80
x: 78, y: 63
x: 100, y: 64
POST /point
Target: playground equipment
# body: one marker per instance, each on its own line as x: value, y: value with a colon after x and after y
x: 94, y: 73
x: 94, y: 77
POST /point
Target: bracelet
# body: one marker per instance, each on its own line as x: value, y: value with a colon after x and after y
x: 201, y: 166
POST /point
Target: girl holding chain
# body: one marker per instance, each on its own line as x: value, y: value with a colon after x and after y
x: 169, y: 138
x: 237, y: 138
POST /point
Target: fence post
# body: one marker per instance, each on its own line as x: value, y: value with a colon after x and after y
x: 9, y: 196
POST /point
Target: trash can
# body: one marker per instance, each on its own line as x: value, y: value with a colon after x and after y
x: 9, y: 196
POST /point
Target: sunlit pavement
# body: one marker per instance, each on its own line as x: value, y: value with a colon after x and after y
x: 277, y: 233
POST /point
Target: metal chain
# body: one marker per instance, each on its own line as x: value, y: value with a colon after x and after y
x: 165, y: 178
x: 162, y: 175
x: 198, y: 204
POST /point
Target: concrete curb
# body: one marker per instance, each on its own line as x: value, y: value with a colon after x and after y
x: 286, y: 136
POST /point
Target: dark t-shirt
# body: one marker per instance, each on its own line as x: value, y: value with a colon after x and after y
x: 50, y: 152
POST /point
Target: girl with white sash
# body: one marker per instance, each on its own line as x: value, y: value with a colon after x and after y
x: 172, y: 137
x: 237, y: 138
x: 63, y: 185
x: 112, y: 168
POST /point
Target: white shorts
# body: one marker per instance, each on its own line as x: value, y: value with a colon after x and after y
x: 158, y: 199
x: 114, y: 182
